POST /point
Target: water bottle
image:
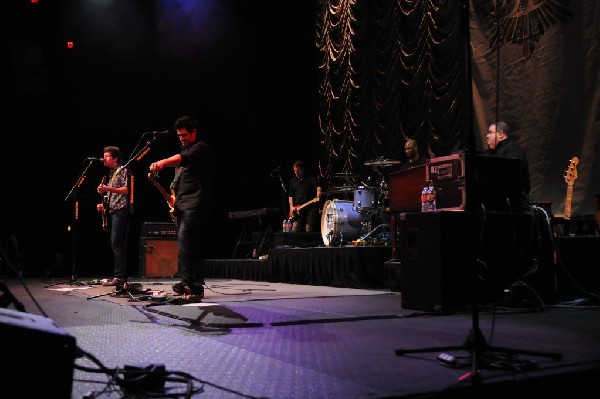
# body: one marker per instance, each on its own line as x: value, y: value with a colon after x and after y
x: 432, y: 197
x: 284, y: 226
x: 425, y: 198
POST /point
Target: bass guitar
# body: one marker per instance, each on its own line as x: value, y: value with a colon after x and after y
x: 105, y: 202
x: 296, y: 210
x: 170, y: 198
x: 570, y: 177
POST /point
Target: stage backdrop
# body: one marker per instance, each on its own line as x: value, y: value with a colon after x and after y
x: 441, y: 71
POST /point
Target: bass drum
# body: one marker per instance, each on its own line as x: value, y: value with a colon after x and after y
x: 340, y: 222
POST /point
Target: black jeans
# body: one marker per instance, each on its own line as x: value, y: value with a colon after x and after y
x: 192, y: 237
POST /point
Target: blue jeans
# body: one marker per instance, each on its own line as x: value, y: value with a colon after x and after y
x: 118, y: 241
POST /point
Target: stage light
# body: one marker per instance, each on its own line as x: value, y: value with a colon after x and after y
x: 70, y: 44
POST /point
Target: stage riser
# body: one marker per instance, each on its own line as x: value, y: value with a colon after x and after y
x: 347, y: 267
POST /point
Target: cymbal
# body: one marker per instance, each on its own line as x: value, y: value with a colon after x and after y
x: 382, y: 162
x: 340, y: 190
x: 345, y: 174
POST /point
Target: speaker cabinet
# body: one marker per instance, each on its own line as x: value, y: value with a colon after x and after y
x: 158, y: 257
x: 47, y: 370
x: 447, y: 257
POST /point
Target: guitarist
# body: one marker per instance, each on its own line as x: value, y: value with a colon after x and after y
x: 304, y: 194
x: 193, y: 186
x: 114, y: 190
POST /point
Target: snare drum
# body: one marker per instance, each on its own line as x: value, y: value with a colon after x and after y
x: 340, y: 222
x: 364, y: 199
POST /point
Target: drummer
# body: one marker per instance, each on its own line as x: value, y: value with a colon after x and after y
x: 304, y: 194
x: 414, y: 157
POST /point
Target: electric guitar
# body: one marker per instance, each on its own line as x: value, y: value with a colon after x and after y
x: 105, y: 201
x: 296, y: 210
x: 169, y: 197
x: 570, y: 177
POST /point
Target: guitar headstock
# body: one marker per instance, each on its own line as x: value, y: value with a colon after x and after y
x: 571, y: 172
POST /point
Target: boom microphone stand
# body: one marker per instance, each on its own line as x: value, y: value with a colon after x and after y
x: 284, y: 201
x: 126, y: 288
x: 73, y: 194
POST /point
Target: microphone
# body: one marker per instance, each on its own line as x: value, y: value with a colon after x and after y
x: 94, y: 159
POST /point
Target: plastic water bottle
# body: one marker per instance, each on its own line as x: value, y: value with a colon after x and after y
x: 432, y: 197
x: 425, y: 198
x: 428, y: 197
x: 284, y: 226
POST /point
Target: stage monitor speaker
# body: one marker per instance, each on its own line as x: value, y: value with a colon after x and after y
x: 43, y: 358
x: 158, y: 257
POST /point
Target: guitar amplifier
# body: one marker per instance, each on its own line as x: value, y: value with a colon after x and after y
x: 158, y: 257
x: 158, y: 229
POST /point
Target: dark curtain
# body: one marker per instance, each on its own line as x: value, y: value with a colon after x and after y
x: 441, y: 71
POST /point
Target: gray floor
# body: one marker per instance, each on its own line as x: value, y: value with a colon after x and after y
x: 313, y: 347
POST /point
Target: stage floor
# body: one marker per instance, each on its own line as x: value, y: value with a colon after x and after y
x: 300, y: 341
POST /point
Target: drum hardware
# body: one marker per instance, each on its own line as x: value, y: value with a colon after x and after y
x: 368, y: 240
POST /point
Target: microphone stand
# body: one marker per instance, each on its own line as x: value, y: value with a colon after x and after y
x: 275, y: 173
x: 73, y: 194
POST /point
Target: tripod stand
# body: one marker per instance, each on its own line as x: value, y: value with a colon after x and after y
x: 126, y: 288
x: 481, y: 352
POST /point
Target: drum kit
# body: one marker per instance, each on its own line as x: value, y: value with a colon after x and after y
x: 362, y: 219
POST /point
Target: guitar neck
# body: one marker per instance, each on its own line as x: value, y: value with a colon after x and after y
x: 160, y: 188
x: 568, y: 201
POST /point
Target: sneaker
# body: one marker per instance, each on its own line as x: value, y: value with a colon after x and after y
x: 179, y: 288
x: 183, y: 288
x: 113, y: 283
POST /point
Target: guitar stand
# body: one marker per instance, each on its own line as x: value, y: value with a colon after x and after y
x: 482, y: 354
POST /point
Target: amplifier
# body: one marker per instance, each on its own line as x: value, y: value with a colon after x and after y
x: 158, y: 257
x: 158, y: 229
